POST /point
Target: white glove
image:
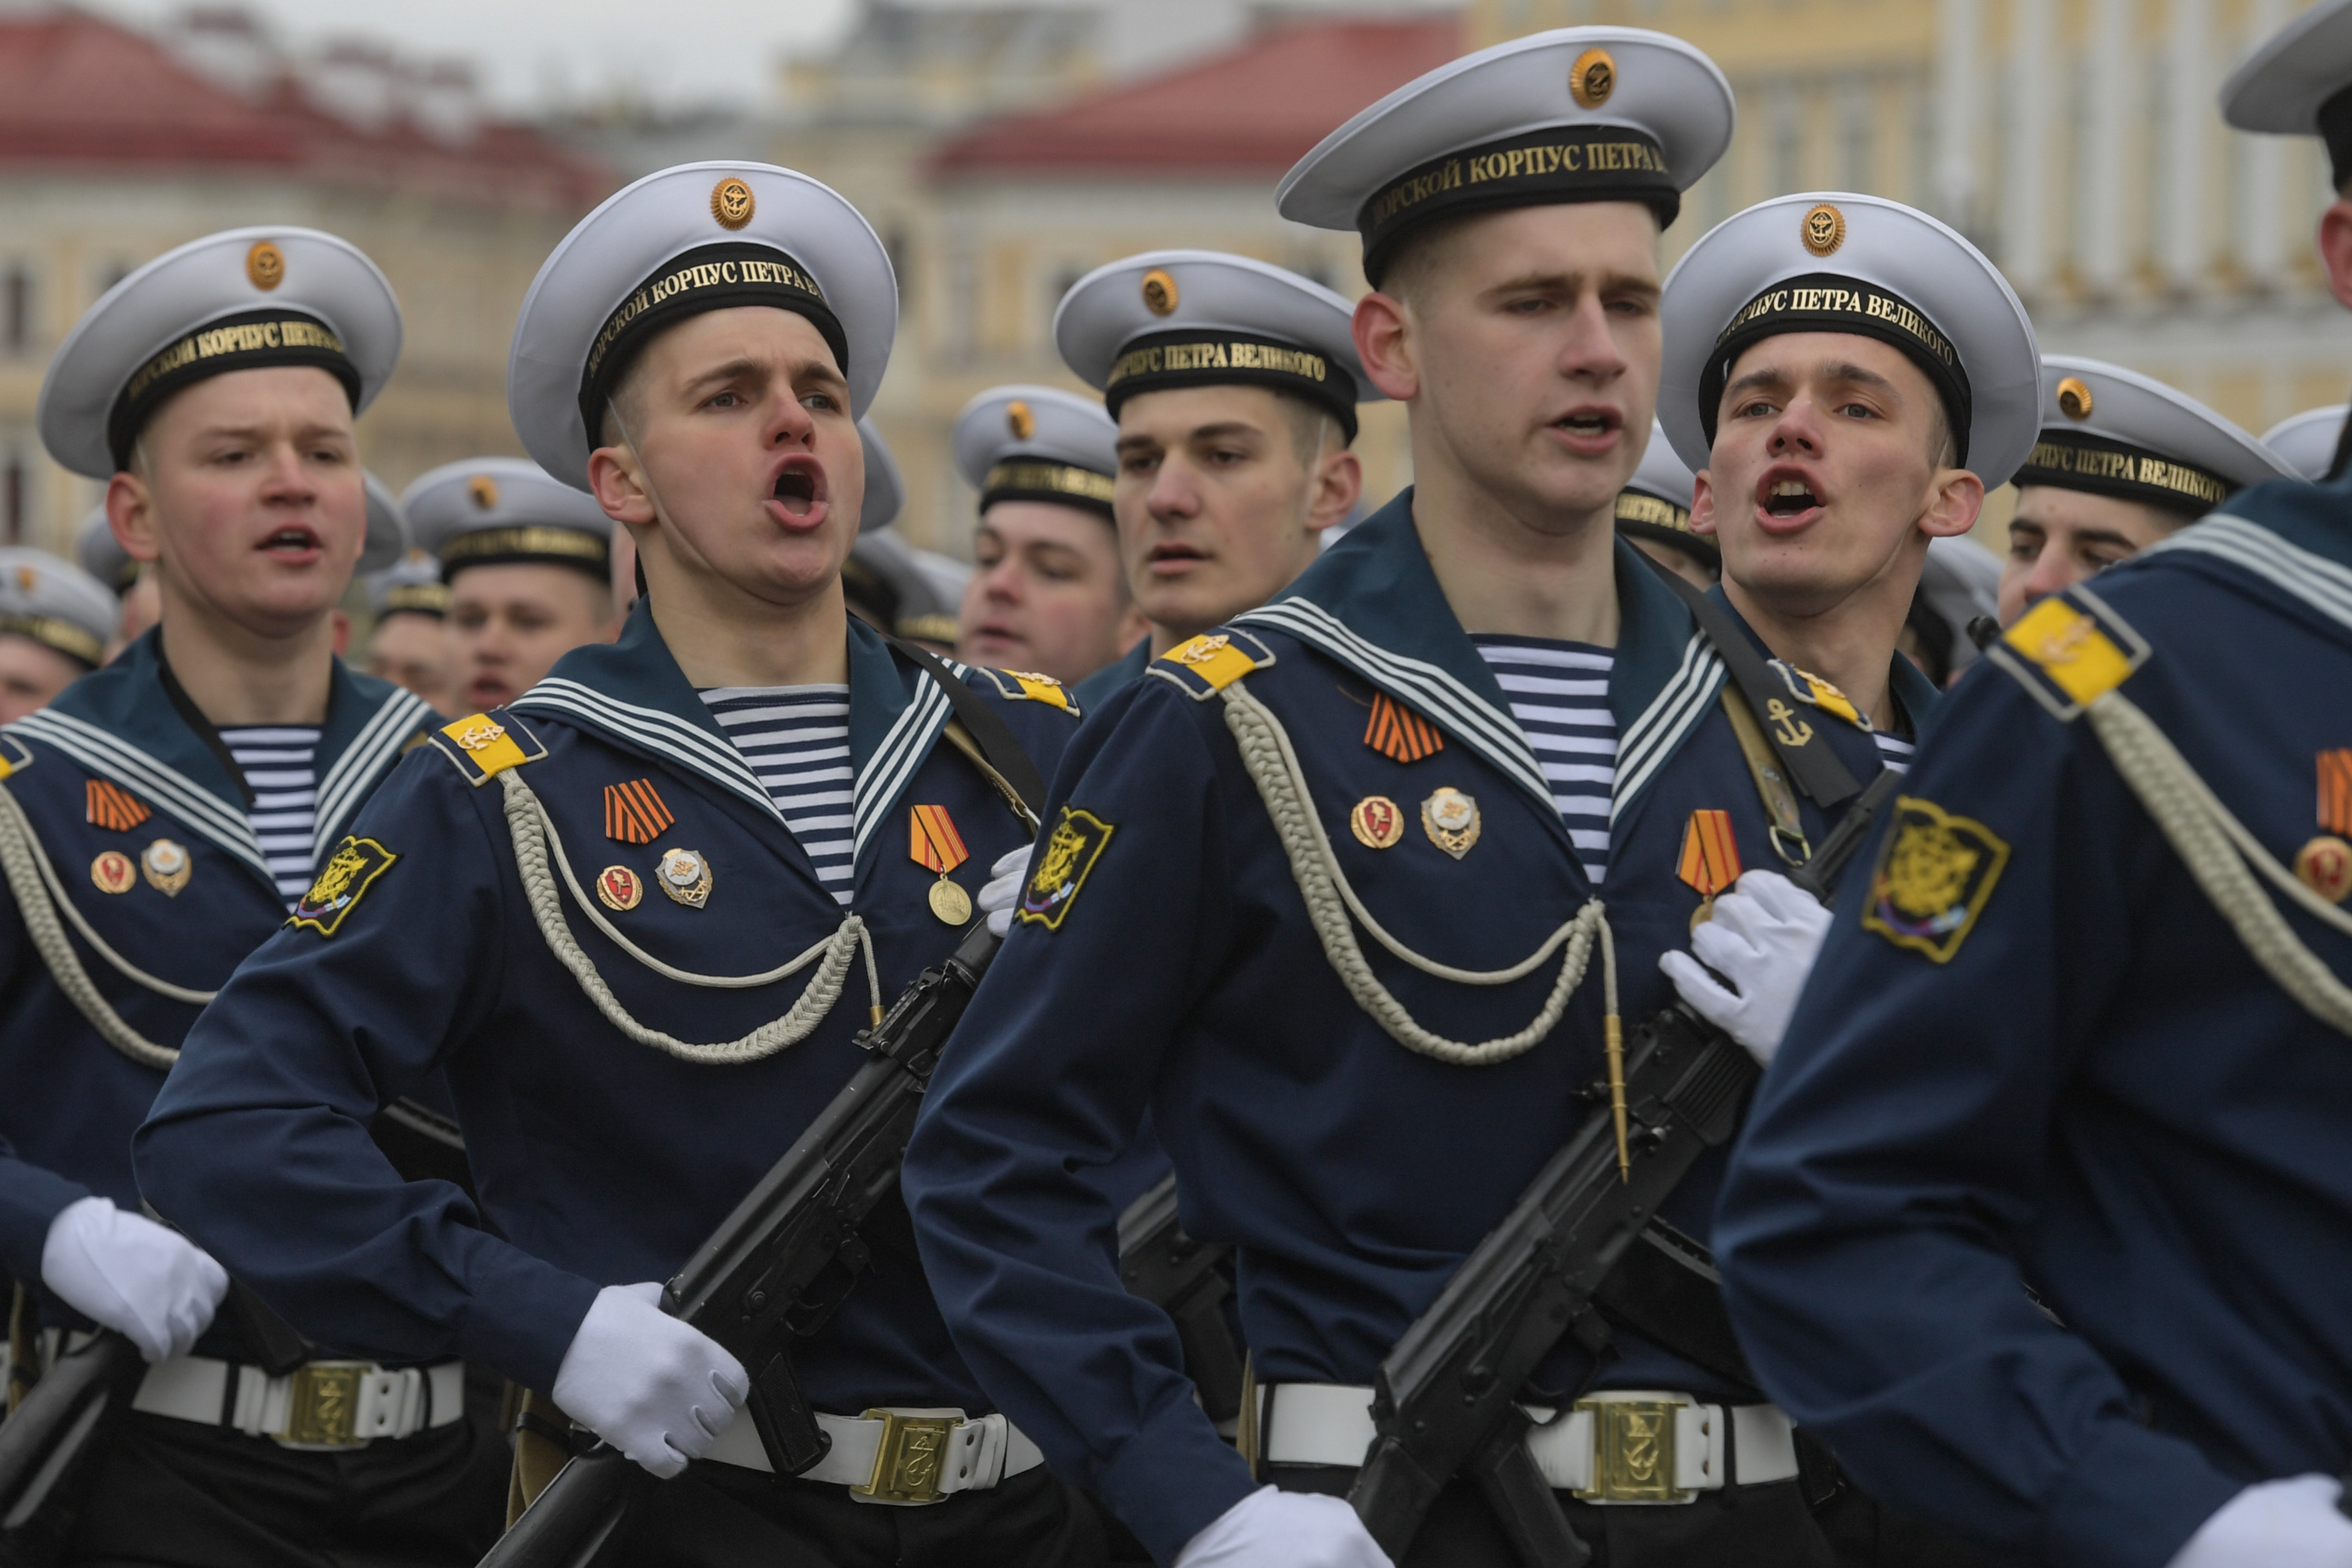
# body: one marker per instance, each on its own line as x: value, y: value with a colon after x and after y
x: 1763, y: 939
x: 2273, y: 1524
x: 654, y: 1388
x: 1003, y: 888
x: 125, y: 1272
x: 1270, y: 1529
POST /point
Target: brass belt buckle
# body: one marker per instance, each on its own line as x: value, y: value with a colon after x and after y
x: 1632, y: 1451
x: 907, y: 1461
x: 323, y: 1403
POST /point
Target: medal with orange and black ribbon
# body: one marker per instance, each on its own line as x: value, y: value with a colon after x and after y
x: 935, y: 845
x: 2325, y: 865
x: 1710, y: 859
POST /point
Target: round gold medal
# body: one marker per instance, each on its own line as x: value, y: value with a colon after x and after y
x: 111, y: 872
x: 2325, y: 865
x: 950, y: 902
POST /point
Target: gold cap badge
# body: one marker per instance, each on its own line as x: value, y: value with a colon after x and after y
x: 731, y: 203
x: 2075, y: 399
x: 485, y: 492
x: 266, y: 265
x: 1160, y: 294
x: 1825, y: 229
x: 1019, y: 420
x: 1593, y: 79
x: 25, y: 578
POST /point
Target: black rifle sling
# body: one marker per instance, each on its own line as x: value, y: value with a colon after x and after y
x: 988, y: 730
x: 1817, y: 770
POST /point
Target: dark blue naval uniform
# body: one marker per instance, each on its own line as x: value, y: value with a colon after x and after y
x: 1179, y: 974
x: 2070, y: 1070
x: 1125, y: 671
x: 599, y: 1160
x: 107, y: 770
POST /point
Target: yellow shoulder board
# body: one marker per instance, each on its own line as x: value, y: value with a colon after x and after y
x: 1829, y: 696
x: 484, y: 747
x: 2069, y: 651
x: 1207, y: 664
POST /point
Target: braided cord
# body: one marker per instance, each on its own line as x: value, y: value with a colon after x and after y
x: 528, y: 821
x: 39, y: 896
x: 2217, y: 849
x: 1272, y: 767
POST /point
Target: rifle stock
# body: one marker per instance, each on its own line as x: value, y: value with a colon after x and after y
x: 50, y: 1446
x: 1184, y: 1277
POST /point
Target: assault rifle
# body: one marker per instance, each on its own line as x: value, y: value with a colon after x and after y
x: 1583, y: 1244
x: 1186, y: 1279
x: 776, y: 1269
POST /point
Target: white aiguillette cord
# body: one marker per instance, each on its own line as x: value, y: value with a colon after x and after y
x: 1272, y: 767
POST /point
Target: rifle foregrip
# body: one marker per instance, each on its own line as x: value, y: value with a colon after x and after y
x: 567, y: 1525
x: 1392, y: 1495
x: 47, y: 1447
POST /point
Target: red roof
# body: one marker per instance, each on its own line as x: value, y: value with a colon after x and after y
x: 78, y: 91
x: 1258, y: 107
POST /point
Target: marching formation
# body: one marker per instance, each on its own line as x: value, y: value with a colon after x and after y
x: 1520, y: 1024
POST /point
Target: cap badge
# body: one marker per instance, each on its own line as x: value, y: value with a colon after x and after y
x: 731, y: 203
x: 25, y: 578
x: 2075, y: 399
x: 1825, y: 229
x: 111, y: 872
x: 167, y: 867
x: 485, y: 492
x: 685, y: 876
x: 1160, y: 294
x: 1376, y: 822
x: 266, y: 265
x: 1019, y: 420
x: 1451, y: 820
x: 1593, y: 79
x: 617, y: 888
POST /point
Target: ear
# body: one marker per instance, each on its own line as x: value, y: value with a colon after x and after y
x: 1383, y: 331
x: 2335, y: 249
x: 130, y: 514
x: 1702, y: 520
x: 618, y: 479
x: 1338, y: 483
x: 1953, y: 505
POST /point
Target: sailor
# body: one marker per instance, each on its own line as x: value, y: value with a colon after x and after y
x: 1048, y: 593
x: 1654, y: 510
x: 528, y: 561
x: 2306, y: 442
x: 640, y: 916
x: 1487, y: 724
x: 2124, y: 461
x: 889, y: 584
x: 100, y: 553
x: 408, y: 644
x: 2081, y: 1027
x: 55, y: 622
x: 176, y: 803
x: 1234, y: 384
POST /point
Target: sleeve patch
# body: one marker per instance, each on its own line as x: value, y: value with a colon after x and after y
x: 1207, y: 664
x: 1069, y: 854
x: 484, y: 747
x: 2067, y: 653
x: 1935, y: 872
x: 346, y: 877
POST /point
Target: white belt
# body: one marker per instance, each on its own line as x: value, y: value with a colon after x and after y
x: 1624, y: 1446
x: 321, y: 1404
x: 902, y: 1456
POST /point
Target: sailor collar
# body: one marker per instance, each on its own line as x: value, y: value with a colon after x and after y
x: 2286, y: 534
x: 120, y: 723
x: 1372, y: 602
x: 631, y: 692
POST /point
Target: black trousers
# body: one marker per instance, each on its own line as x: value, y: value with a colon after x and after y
x: 173, y: 1494
x: 1768, y: 1526
x: 722, y: 1516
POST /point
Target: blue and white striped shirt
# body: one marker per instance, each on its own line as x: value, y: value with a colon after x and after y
x: 796, y: 739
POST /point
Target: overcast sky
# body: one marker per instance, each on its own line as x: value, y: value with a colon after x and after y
x: 526, y: 52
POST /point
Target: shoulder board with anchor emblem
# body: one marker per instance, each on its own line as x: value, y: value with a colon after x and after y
x: 1027, y: 686
x: 1205, y: 665
x: 2070, y: 650
x: 1809, y: 688
x: 14, y: 755
x: 484, y: 746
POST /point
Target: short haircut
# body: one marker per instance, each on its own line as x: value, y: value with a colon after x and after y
x: 1312, y: 428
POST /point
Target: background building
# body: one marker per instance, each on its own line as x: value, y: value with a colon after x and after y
x: 115, y: 147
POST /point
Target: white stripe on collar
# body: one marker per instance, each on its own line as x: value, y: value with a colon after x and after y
x: 688, y: 746
x: 902, y: 750
x: 111, y: 757
x: 371, y: 753
x: 1646, y: 744
x: 2325, y: 586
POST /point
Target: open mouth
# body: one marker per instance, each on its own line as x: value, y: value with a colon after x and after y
x: 799, y: 491
x: 1790, y: 497
x: 291, y: 540
x: 1589, y: 424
